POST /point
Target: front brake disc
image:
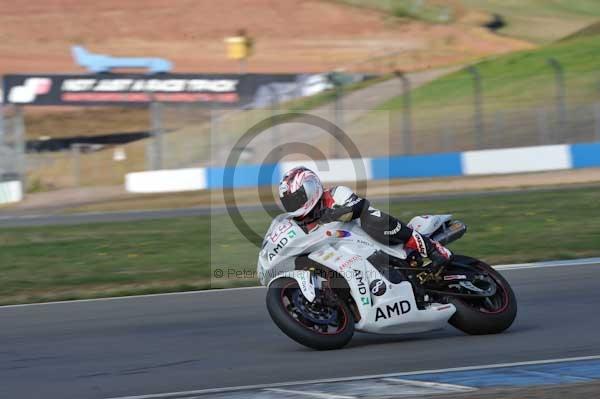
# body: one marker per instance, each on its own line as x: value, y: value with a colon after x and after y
x: 468, y: 285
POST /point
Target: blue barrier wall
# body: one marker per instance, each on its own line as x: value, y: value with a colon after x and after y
x: 586, y: 155
x: 431, y: 165
x: 525, y: 159
x: 582, y: 155
x: 243, y: 176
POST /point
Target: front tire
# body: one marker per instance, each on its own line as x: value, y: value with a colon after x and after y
x: 479, y: 318
x: 318, y: 326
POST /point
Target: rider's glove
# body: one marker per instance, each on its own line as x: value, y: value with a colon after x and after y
x: 436, y: 252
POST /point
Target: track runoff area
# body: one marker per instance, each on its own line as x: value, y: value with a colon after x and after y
x: 529, y: 355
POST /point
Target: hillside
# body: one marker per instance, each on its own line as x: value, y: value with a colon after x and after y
x: 290, y: 35
x: 590, y: 30
x: 538, y: 21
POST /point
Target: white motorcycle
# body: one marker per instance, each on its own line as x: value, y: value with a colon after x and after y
x: 324, y: 285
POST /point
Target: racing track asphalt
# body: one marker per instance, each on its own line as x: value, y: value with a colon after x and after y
x: 156, y: 344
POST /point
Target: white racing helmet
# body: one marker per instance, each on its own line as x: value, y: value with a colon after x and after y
x: 300, y: 190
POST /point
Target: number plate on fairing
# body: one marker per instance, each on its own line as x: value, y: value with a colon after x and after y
x: 279, y: 237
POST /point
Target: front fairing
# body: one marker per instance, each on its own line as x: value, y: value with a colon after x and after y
x: 285, y: 240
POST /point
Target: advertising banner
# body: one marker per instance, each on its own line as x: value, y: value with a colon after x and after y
x: 137, y: 89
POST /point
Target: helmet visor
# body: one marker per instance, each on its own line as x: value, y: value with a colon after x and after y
x: 294, y: 201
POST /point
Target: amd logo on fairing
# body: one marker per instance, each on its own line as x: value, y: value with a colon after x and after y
x: 278, y: 248
x: 362, y: 288
x: 395, y: 310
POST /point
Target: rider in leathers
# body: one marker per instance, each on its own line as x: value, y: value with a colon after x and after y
x: 302, y: 194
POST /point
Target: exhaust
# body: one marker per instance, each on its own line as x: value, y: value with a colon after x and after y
x: 450, y: 232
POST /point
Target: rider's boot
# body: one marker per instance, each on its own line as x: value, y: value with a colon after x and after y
x: 428, y: 248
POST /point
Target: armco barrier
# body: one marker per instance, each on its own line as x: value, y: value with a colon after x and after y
x: 484, y: 162
x: 10, y: 191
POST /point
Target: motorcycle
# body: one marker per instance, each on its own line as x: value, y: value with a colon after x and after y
x: 327, y: 283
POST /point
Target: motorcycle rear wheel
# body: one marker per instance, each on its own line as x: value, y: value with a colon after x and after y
x: 476, y: 318
x: 326, y: 329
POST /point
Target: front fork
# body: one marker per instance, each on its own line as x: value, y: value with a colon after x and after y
x: 324, y: 290
x: 322, y: 287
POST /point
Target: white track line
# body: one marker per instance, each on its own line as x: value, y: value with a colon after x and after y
x: 573, y: 262
x: 183, y: 394
x: 123, y: 298
x: 552, y: 263
x: 427, y: 384
x: 311, y: 394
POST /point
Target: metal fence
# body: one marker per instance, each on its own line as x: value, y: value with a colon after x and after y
x: 487, y: 112
x: 567, y: 110
x: 12, y: 144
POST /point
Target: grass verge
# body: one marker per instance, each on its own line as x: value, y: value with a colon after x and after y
x: 85, y: 261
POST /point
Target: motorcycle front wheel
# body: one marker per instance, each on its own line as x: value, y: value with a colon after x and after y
x: 490, y: 316
x: 321, y: 324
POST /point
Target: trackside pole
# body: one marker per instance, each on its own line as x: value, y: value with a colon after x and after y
x: 406, y: 112
x: 561, y: 107
x: 477, y: 105
x: 76, y: 163
x: 19, y: 130
x: 274, y: 102
x: 2, y: 109
x: 338, y: 115
x: 155, y: 149
x: 1, y: 123
x: 215, y: 138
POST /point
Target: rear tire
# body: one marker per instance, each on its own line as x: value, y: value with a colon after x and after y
x: 292, y: 325
x: 478, y: 321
